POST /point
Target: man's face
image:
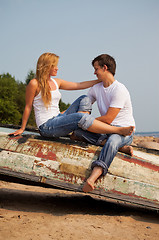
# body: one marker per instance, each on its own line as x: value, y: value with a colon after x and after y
x: 99, y: 71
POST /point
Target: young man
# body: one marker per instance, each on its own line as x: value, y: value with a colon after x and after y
x: 114, y: 103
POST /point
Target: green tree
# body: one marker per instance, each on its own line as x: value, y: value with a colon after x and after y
x: 31, y: 75
x: 63, y: 106
x: 20, y: 99
x: 9, y: 112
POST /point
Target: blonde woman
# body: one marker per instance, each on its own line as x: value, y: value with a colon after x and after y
x: 43, y: 94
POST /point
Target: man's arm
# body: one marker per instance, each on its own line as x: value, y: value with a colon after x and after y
x: 109, y: 116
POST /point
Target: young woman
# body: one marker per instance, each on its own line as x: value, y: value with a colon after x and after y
x: 43, y: 94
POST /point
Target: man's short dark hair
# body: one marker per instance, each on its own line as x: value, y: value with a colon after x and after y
x: 105, y: 59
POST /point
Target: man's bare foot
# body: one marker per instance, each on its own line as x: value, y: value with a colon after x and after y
x: 127, y: 149
x: 88, y: 186
x: 126, y: 131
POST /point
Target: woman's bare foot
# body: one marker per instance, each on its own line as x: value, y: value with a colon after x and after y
x: 127, y: 149
x: 126, y: 131
x: 88, y: 186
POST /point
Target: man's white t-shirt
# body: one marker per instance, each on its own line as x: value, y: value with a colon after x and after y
x: 117, y: 96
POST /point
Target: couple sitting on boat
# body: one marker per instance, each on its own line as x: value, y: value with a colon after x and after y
x: 113, y: 129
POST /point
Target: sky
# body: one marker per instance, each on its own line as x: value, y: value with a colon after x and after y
x: 78, y: 31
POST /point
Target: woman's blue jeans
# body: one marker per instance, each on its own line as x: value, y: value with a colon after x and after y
x: 109, y: 150
x: 70, y: 120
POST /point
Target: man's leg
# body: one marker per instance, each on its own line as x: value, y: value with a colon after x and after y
x: 97, y: 139
x: 108, y: 152
x: 89, y: 137
x: 125, y: 149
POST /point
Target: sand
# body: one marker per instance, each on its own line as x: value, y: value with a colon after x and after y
x: 36, y: 213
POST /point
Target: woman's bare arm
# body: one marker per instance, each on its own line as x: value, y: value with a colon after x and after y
x: 65, y: 85
x: 29, y: 97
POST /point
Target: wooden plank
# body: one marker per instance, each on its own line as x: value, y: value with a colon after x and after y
x: 66, y: 164
x: 67, y: 186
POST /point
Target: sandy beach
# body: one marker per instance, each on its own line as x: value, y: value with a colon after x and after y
x: 36, y: 213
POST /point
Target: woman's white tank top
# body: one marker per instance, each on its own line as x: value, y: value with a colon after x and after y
x: 42, y: 114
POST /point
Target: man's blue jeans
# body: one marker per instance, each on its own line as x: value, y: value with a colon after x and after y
x: 109, y: 150
x: 70, y: 120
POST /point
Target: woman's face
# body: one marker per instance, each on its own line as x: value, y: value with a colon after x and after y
x: 53, y: 71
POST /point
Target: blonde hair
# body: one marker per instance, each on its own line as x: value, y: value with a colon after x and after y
x: 44, y: 64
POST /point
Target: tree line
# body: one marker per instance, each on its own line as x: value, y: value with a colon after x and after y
x: 12, y: 100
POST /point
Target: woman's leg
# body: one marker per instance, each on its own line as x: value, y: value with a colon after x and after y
x: 67, y: 122
x: 63, y: 124
x: 81, y: 104
x: 73, y: 118
x: 100, y: 127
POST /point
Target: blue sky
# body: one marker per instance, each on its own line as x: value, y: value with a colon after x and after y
x: 78, y: 31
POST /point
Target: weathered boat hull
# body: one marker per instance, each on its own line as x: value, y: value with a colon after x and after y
x: 66, y: 164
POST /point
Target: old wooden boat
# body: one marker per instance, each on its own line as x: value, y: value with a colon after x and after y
x: 64, y: 163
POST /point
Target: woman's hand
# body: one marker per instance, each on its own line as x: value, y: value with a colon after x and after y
x: 18, y: 132
x: 65, y: 85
